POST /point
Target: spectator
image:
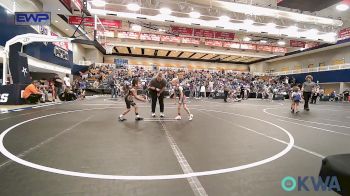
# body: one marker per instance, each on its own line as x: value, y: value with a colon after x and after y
x: 58, y: 83
x: 66, y: 81
x: 31, y: 93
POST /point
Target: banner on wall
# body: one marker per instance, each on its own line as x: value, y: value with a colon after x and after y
x: 150, y: 37
x: 168, y: 38
x: 90, y: 22
x: 224, y: 35
x: 232, y: 45
x: 204, y: 33
x: 181, y: 30
x: 189, y: 40
x: 297, y: 44
x: 213, y: 43
x: 344, y: 34
x: 264, y: 48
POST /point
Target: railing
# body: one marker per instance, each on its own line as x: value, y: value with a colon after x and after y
x: 317, y: 69
x: 84, y: 63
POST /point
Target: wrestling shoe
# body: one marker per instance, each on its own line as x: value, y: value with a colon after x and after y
x: 178, y: 117
x: 121, y: 119
x: 191, y: 117
x: 161, y: 115
x: 153, y: 115
x: 138, y: 118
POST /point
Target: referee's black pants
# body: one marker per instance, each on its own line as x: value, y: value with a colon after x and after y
x: 307, y: 96
x: 154, y: 101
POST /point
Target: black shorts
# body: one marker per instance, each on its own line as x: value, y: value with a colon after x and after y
x: 129, y: 103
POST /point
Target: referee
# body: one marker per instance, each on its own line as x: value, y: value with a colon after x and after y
x: 308, y: 87
x: 156, y: 89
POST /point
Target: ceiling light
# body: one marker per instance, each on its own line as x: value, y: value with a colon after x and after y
x: 195, y: 14
x: 59, y: 9
x: 224, y: 18
x: 165, y: 11
x: 342, y: 7
x: 248, y: 21
x: 133, y: 7
x: 247, y: 39
x: 161, y: 30
x: 263, y: 41
x: 56, y: 20
x: 281, y: 43
x: 136, y: 27
x: 66, y: 29
x: 98, y: 3
x: 8, y: 12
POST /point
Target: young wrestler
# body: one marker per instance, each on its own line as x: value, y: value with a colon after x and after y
x: 182, y: 99
x: 296, y: 98
x: 130, y: 94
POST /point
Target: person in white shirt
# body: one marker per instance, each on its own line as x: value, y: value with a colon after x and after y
x: 178, y: 92
x: 202, y: 90
x: 66, y: 81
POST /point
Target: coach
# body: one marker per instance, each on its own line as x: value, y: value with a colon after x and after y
x: 308, y: 87
x: 156, y: 89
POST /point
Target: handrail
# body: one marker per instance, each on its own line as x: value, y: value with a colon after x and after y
x: 315, y: 69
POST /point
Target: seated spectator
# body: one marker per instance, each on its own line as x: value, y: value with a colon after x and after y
x: 31, y: 93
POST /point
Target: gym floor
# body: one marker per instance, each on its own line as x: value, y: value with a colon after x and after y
x: 246, y: 148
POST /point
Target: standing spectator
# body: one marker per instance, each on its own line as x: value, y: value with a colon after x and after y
x: 346, y: 95
x: 156, y: 88
x: 315, y: 94
x: 58, y: 86
x: 203, y: 90
x: 66, y: 81
x: 226, y: 91
x: 113, y: 86
x: 307, y: 89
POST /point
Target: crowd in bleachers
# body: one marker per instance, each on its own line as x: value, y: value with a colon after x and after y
x: 197, y: 83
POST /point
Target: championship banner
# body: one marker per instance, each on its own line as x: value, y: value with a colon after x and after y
x: 204, y: 33
x: 181, y: 30
x: 173, y: 39
x: 149, y: 37
x: 213, y: 43
x: 344, y: 34
x: 232, y: 45
x: 90, y: 22
x: 189, y: 40
x: 264, y: 48
x: 248, y: 46
x: 224, y: 35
